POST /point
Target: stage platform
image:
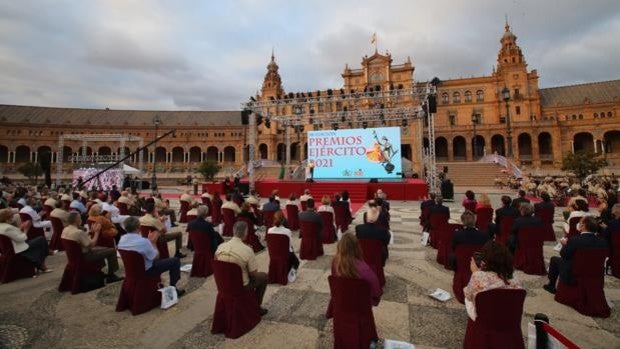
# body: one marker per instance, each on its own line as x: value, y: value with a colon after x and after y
x: 360, y: 191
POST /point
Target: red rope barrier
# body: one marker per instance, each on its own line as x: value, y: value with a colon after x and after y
x: 560, y: 337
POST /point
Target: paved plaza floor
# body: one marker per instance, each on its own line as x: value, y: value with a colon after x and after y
x: 34, y: 314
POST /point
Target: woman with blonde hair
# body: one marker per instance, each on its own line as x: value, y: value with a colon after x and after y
x: 95, y: 215
x: 348, y: 263
x: 325, y: 207
x: 483, y: 201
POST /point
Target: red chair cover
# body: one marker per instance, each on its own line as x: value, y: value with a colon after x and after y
x: 504, y: 230
x: 311, y: 242
x: 103, y: 241
x: 77, y: 268
x: 184, y: 209
x: 436, y: 220
x: 351, y: 307
x: 191, y: 217
x: 329, y: 231
x: 587, y: 295
x: 572, y: 227
x: 347, y: 212
x: 162, y: 246
x: 236, y: 311
x: 57, y: 228
x: 268, y: 218
x: 498, y: 320
x: 424, y: 216
x: 207, y: 202
x: 251, y: 239
x: 529, y: 253
x: 13, y: 266
x: 279, y: 251
x: 216, y: 213
x: 546, y: 216
x: 139, y: 291
x: 122, y: 208
x: 292, y: 217
x: 444, y: 249
x: 229, y: 220
x: 33, y: 231
x: 614, y: 256
x: 373, y: 256
x: 470, y: 206
x: 484, y: 217
x: 203, y: 257
x: 340, y: 216
x: 462, y: 274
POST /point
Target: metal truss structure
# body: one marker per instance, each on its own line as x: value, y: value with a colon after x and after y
x: 371, y: 105
x: 122, y: 139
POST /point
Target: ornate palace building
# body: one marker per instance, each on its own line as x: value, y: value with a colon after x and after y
x: 475, y: 116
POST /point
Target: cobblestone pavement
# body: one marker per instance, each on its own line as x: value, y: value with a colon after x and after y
x: 34, y: 315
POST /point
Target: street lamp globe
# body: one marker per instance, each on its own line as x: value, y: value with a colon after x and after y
x: 506, y: 94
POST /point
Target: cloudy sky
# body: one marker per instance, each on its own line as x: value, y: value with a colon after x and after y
x: 212, y: 55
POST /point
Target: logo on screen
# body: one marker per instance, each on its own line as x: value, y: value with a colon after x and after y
x: 381, y: 152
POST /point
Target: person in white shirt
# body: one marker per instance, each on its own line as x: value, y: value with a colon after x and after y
x: 36, y: 218
x: 325, y: 207
x: 252, y: 198
x: 306, y: 196
x: 231, y: 205
x: 279, y: 228
x: 51, y: 200
x: 187, y: 197
x: 34, y: 250
x: 206, y: 194
x: 292, y: 200
x: 115, y: 213
x: 579, y: 209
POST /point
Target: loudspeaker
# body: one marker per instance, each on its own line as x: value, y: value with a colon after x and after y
x: 432, y: 104
x: 245, y: 117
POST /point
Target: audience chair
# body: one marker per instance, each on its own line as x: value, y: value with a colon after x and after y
x: 528, y: 255
x: 216, y: 213
x: 57, y: 227
x: 13, y: 266
x: 80, y: 275
x: 203, y: 257
x: 444, y: 249
x: 162, y: 246
x: 32, y: 231
x: 372, y: 251
x: 236, y: 311
x: 229, y: 220
x: 462, y: 274
x: 279, y: 258
x: 504, y: 230
x: 614, y: 255
x: 484, y: 217
x: 340, y: 217
x: 292, y: 217
x: 435, y: 221
x: 139, y: 291
x: 311, y: 242
x: 251, y: 239
x: 546, y: 216
x: 268, y: 218
x: 572, y: 227
x: 184, y: 210
x: 329, y: 230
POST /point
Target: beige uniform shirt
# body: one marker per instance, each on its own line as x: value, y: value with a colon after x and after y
x: 60, y: 214
x: 231, y: 205
x: 151, y: 221
x: 50, y: 202
x: 78, y: 235
x: 235, y: 251
x: 187, y: 197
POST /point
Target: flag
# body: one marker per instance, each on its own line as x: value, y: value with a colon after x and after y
x: 373, y: 38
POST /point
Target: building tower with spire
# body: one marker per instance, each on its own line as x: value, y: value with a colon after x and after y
x: 272, y: 84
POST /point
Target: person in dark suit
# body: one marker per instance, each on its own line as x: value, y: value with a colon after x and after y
x: 384, y: 213
x: 370, y: 230
x: 439, y: 207
x: 562, y: 266
x: 202, y: 225
x: 516, y: 203
x: 545, y: 203
x: 428, y: 203
x: 272, y: 205
x: 469, y: 235
x: 310, y: 215
x: 527, y: 219
x: 613, y: 226
x: 507, y: 210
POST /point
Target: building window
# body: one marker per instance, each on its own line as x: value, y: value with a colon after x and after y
x: 574, y: 117
x: 452, y: 119
x: 518, y: 110
x: 580, y: 116
x: 609, y: 114
x: 456, y: 97
x: 467, y: 96
x: 479, y: 96
x: 445, y: 99
x: 596, y: 115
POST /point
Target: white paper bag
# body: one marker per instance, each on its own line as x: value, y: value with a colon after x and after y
x: 168, y: 223
x: 424, y: 239
x: 558, y: 247
x: 186, y: 268
x: 168, y: 296
x: 220, y: 228
x: 391, y: 238
x: 339, y: 234
x: 440, y: 295
x: 292, y: 275
x: 393, y: 344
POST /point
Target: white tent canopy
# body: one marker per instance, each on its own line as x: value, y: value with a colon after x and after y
x: 130, y: 170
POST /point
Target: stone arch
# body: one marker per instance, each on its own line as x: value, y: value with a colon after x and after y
x: 498, y: 145
x: 194, y: 154
x: 477, y: 151
x: 229, y: 154
x: 4, y: 154
x: 212, y: 154
x: 22, y: 154
x: 583, y: 141
x: 104, y: 150
x: 263, y: 151
x: 441, y: 148
x: 295, y: 151
x: 177, y: 154
x: 281, y: 152
x: 160, y: 154
x: 459, y: 148
x: 545, y: 146
x: 66, y: 153
x: 524, y: 142
x: 612, y: 142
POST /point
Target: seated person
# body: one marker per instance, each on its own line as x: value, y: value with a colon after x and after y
x: 469, y: 235
x: 325, y: 207
x: 272, y: 205
x: 516, y: 203
x: 562, y: 266
x: 305, y: 196
x: 108, y: 206
x: 310, y: 215
x: 279, y: 228
x: 237, y: 252
x: 34, y: 250
x: 470, y: 199
x: 206, y: 194
x: 248, y: 212
x: 90, y: 250
x: 77, y: 203
x: 187, y: 197
x: 147, y: 247
x: 108, y: 228
x: 495, y: 270
x: 292, y: 200
x: 202, y: 225
x: 61, y: 210
x: 545, y: 204
x: 370, y: 230
x: 507, y: 210
x: 484, y: 202
x: 37, y: 222
x: 579, y: 209
x: 527, y: 219
x: 163, y: 208
x: 152, y: 219
x: 348, y: 263
x: 230, y: 204
x: 253, y: 198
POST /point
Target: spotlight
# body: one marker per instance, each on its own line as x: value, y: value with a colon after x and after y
x: 342, y: 118
x: 310, y: 94
x: 404, y: 122
x: 252, y: 99
x: 318, y: 93
x: 330, y: 92
x: 335, y: 126
x: 377, y: 88
x: 267, y: 123
x: 364, y: 124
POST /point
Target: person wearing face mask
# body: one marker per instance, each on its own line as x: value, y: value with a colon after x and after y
x: 562, y: 266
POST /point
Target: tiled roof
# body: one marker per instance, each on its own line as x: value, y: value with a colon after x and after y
x: 75, y: 116
x: 596, y: 92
